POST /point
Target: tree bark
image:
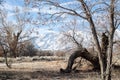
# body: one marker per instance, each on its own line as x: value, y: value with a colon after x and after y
x: 94, y: 33
x: 111, y: 37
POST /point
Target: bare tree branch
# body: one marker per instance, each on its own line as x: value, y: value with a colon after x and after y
x: 69, y: 11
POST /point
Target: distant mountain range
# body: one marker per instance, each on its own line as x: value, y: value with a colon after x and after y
x: 52, y: 40
x: 57, y: 41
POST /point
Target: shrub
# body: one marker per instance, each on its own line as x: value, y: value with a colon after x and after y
x: 59, y: 53
x: 44, y: 53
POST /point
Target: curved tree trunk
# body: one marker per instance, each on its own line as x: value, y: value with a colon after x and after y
x: 6, y: 61
x: 84, y: 54
x: 89, y: 56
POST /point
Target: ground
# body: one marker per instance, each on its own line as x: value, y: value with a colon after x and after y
x: 47, y: 70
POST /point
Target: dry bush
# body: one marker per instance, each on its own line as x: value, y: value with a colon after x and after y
x: 59, y: 53
x: 44, y: 53
x: 28, y: 50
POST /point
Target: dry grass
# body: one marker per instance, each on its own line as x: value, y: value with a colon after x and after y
x: 46, y: 70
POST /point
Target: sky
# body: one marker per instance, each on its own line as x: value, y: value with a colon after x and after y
x: 48, y: 30
x: 10, y: 6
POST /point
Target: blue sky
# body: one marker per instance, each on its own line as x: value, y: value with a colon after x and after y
x: 47, y: 26
x: 10, y: 6
x: 43, y: 30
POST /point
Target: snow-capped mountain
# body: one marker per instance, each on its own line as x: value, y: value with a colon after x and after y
x: 54, y: 40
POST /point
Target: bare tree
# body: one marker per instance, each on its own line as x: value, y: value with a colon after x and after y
x: 72, y: 34
x: 13, y: 33
x: 28, y: 49
x: 4, y: 49
x: 86, y: 12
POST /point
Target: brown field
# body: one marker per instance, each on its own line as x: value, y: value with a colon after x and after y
x: 47, y: 70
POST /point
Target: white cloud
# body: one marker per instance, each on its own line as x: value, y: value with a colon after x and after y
x: 69, y: 3
x: 7, y: 6
x: 10, y: 7
x: 53, y: 8
x: 44, y: 10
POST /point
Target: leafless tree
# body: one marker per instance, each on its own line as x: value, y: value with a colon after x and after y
x: 14, y: 33
x: 87, y: 11
x: 28, y: 49
x: 72, y: 34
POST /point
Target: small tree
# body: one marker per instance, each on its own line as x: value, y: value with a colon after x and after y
x: 72, y: 35
x: 14, y: 33
x: 28, y: 49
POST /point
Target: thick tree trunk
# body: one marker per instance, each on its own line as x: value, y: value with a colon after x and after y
x: 84, y: 54
x: 104, y: 47
x: 89, y: 56
x: 111, y: 37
